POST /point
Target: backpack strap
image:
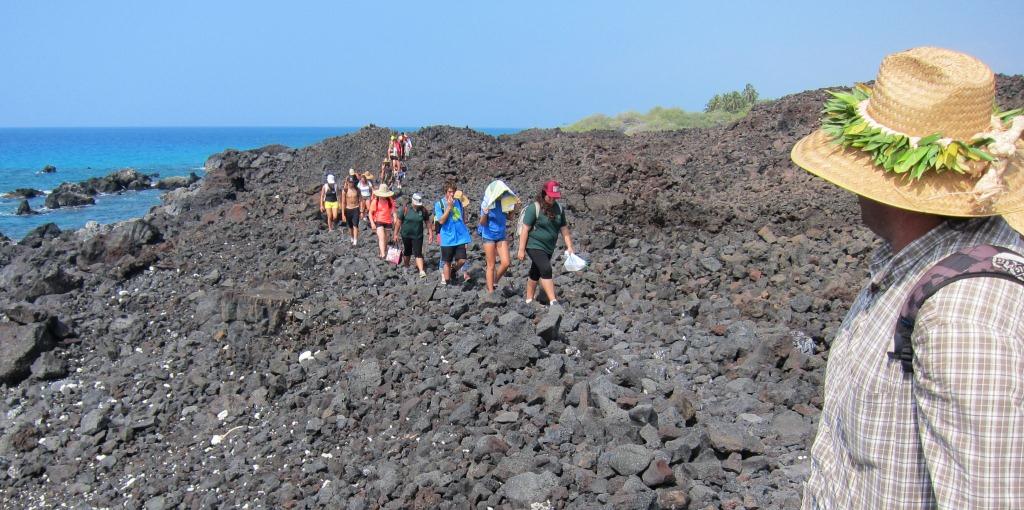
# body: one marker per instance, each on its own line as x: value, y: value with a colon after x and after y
x: 983, y: 261
x: 536, y: 213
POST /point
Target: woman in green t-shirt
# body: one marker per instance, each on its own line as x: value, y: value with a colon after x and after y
x: 412, y: 221
x: 542, y: 222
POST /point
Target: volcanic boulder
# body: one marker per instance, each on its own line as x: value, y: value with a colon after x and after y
x: 177, y: 181
x: 24, y: 209
x: 69, y: 195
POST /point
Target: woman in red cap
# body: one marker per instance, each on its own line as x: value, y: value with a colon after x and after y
x: 543, y: 220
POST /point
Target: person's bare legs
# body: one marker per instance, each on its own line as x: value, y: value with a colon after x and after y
x: 489, y: 254
x: 531, y: 289
x: 459, y: 266
x: 506, y: 260
x: 419, y: 264
x: 549, y: 288
x: 332, y: 215
x: 381, y: 240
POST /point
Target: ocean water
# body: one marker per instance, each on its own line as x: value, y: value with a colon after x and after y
x: 81, y: 153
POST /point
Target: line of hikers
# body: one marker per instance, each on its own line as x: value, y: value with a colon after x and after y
x: 392, y: 169
x: 540, y: 224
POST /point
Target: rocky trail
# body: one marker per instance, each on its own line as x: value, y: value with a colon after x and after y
x: 226, y: 351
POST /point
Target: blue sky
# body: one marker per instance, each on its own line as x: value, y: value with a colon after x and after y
x: 481, y: 64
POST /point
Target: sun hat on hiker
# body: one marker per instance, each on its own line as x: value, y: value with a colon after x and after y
x: 923, y: 138
x: 383, y: 191
x: 368, y: 175
x: 417, y: 199
x: 1016, y: 220
x: 330, y: 178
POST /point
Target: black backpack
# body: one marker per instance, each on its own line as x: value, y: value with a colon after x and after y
x: 982, y: 261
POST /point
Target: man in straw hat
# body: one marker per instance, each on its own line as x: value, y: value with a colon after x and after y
x: 939, y: 421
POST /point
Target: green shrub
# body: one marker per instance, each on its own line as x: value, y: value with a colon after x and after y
x: 721, y: 109
x: 657, y: 119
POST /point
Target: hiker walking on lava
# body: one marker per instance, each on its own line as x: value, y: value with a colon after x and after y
x: 543, y: 221
x: 413, y: 220
x: 450, y: 214
x: 394, y: 154
x: 498, y: 200
x: 382, y: 215
x: 365, y: 193
x: 387, y: 173
x: 922, y: 399
x: 350, y: 207
x: 329, y: 201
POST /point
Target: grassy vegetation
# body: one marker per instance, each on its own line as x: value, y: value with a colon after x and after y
x: 657, y: 119
x: 721, y: 109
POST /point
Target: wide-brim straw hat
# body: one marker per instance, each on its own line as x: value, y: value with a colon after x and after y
x: 1016, y: 220
x: 368, y: 175
x: 383, y: 191
x: 917, y: 93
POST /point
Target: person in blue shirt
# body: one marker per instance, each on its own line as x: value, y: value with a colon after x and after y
x: 492, y: 228
x: 451, y: 216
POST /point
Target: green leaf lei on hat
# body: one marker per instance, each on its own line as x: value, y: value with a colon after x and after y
x: 896, y: 152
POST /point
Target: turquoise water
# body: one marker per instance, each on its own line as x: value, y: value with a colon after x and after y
x: 81, y: 153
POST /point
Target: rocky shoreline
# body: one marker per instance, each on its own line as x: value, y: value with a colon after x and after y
x: 227, y: 351
x: 74, y: 194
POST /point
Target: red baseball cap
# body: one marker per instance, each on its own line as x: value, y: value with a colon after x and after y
x: 552, y: 189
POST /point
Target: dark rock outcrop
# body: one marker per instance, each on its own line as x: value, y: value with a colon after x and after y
x: 82, y: 193
x: 70, y: 195
x: 121, y: 180
x: 28, y: 333
x: 20, y: 345
x: 24, y: 209
x: 23, y: 193
x: 177, y: 181
x: 38, y: 235
x: 123, y: 239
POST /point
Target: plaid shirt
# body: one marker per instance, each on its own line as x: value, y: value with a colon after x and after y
x: 951, y: 435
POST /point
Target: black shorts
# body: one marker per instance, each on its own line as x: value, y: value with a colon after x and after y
x: 412, y: 247
x: 352, y: 217
x: 540, y: 267
x: 450, y: 253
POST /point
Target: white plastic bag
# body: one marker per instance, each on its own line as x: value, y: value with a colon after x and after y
x: 574, y: 262
x: 394, y: 255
